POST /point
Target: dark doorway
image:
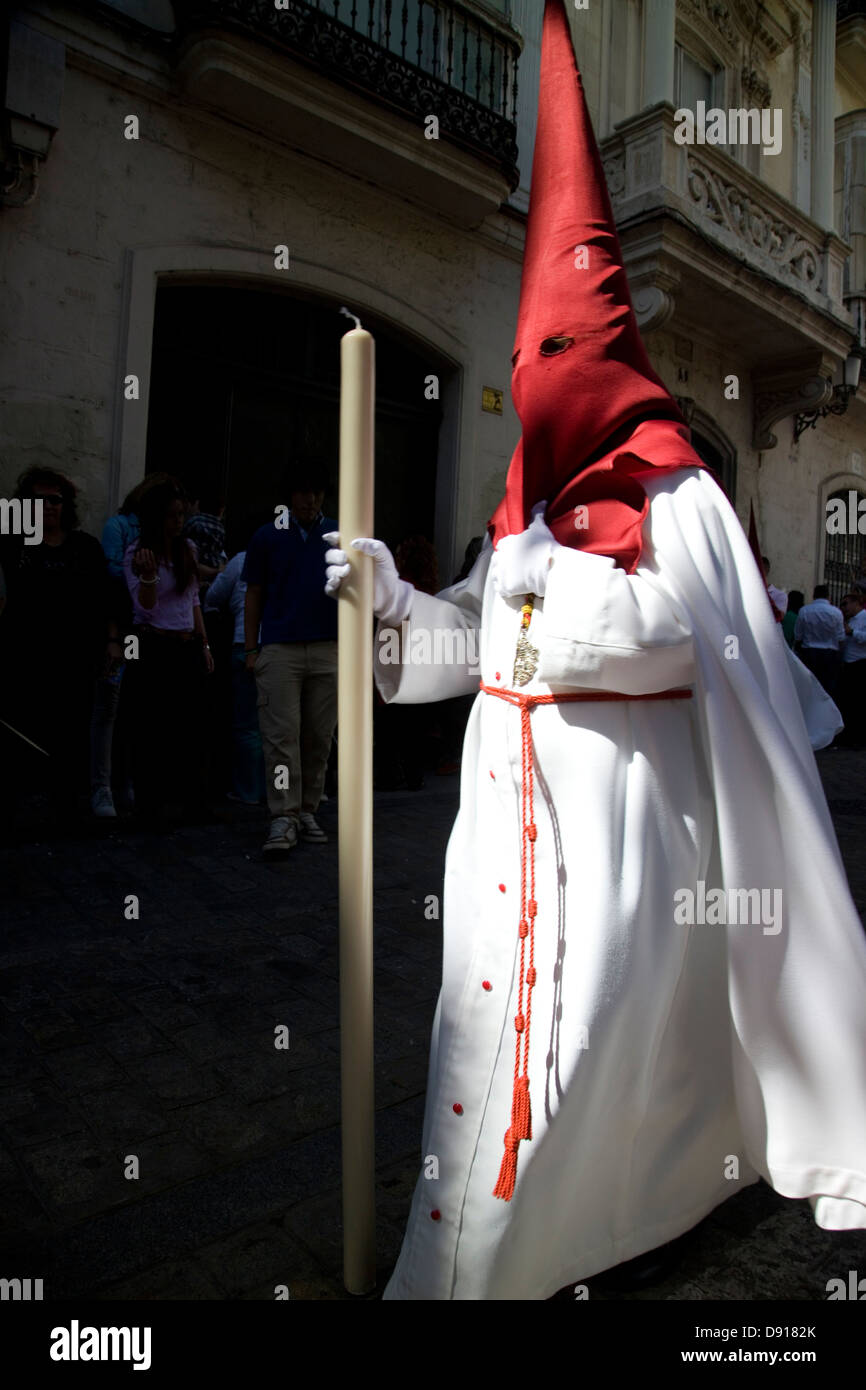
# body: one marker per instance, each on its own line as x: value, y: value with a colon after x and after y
x: 721, y: 462
x: 246, y: 380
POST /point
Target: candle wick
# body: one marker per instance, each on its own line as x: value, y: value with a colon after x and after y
x: 350, y: 315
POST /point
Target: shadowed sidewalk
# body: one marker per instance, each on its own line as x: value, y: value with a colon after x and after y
x: 152, y: 1039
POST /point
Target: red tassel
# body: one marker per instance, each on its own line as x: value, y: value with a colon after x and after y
x: 508, y: 1170
x: 521, y: 1111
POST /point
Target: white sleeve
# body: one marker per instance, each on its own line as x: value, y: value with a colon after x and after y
x: 608, y: 630
x: 435, y: 653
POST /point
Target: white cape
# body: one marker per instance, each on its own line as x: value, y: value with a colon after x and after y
x: 670, y: 1063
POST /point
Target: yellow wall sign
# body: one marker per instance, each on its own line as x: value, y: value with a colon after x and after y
x: 491, y: 400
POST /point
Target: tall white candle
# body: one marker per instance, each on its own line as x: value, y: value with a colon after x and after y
x: 355, y: 811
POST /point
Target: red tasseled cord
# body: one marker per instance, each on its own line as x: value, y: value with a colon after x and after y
x: 521, y: 1110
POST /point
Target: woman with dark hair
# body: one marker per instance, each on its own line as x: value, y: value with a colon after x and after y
x: 789, y: 622
x: 165, y: 680
x: 53, y: 636
x: 122, y: 529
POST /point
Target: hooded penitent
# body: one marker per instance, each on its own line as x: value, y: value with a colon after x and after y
x: 595, y: 418
x: 672, y: 1061
x: 595, y: 415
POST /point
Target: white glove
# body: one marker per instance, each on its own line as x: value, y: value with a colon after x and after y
x: 520, y: 563
x: 392, y: 596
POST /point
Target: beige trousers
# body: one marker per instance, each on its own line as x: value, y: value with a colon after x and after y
x: 297, y: 705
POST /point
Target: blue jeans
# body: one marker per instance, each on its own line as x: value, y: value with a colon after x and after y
x: 248, y: 765
x: 105, y: 704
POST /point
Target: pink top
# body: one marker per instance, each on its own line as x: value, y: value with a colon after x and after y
x: 171, y: 610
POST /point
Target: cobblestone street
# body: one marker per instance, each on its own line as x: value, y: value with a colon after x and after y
x: 155, y: 1038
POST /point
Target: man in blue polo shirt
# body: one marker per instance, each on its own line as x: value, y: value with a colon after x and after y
x: 295, y: 664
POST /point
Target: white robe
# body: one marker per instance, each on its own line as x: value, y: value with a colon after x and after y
x: 669, y: 1064
x: 820, y: 711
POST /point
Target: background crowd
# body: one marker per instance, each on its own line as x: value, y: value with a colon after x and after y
x: 185, y: 658
x: 831, y: 642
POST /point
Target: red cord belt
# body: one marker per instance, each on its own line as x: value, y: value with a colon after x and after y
x: 521, y: 1113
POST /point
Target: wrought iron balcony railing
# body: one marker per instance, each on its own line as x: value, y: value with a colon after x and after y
x: 418, y: 57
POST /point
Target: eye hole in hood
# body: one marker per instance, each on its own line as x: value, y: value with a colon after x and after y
x: 551, y: 346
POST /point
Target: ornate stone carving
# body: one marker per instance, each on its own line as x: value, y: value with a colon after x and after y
x: 729, y: 206
x: 614, y: 173
x: 757, y: 25
x: 792, y: 397
x: 742, y: 26
x: 652, y: 306
x: 756, y: 89
x: 801, y: 37
x: 717, y: 14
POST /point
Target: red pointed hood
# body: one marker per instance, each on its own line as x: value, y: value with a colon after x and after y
x: 594, y: 413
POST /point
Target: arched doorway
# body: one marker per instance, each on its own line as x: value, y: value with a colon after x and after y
x: 715, y: 450
x: 245, y: 379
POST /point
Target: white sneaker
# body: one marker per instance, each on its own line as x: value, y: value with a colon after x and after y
x: 283, y: 835
x: 311, y: 830
x: 102, y: 804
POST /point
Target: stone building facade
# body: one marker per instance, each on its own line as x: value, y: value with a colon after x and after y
x: 193, y: 190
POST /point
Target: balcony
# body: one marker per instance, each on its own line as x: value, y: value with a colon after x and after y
x: 697, y: 228
x: 355, y: 81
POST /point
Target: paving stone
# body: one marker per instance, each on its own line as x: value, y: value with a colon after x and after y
x: 16, y: 1066
x: 174, y: 1280
x: 34, y: 1114
x: 53, y: 1027
x: 22, y: 989
x: 174, y: 1079
x: 205, y: 1042
x: 318, y: 1222
x: 83, y: 1068
x: 303, y: 1015
x: 233, y: 1014
x: 165, y: 1160
x: 22, y: 1216
x: 72, y: 1175
x: 122, y: 1116
x: 254, y: 1075
x: 117, y: 1244
x: 165, y: 1009
x: 317, y: 986
x: 399, y: 1079
x: 94, y: 1006
x: 226, y: 1128
x: 260, y: 1256
x: 132, y: 1037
